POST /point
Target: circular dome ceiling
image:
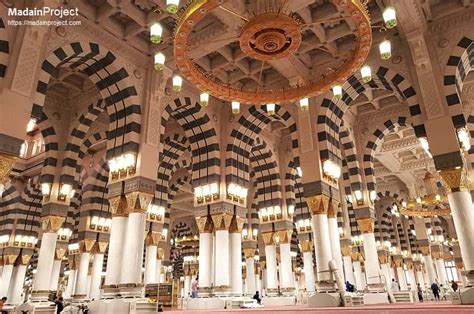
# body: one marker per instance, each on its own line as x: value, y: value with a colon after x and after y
x: 266, y: 39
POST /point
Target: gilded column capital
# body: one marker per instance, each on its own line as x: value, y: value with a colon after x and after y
x: 249, y: 253
x: 366, y: 225
x: 459, y: 264
x: 425, y: 250
x: 100, y: 247
x: 437, y: 254
x: 237, y: 224
x: 152, y: 238
x: 357, y: 257
x: 51, y: 223
x: 268, y: 238
x: 137, y: 202
x: 59, y: 253
x: 119, y: 206
x: 23, y: 259
x: 346, y: 250
x: 160, y: 254
x: 332, y: 208
x: 9, y: 259
x: 397, y: 261
x: 6, y: 164
x: 284, y: 236
x: 383, y: 259
x: 455, y: 179
x: 318, y: 204
x: 86, y: 245
x: 221, y: 221
x: 204, y: 224
x: 306, y: 246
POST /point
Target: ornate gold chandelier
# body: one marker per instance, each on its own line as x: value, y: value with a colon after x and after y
x: 270, y: 36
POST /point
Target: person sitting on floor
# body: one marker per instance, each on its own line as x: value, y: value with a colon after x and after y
x: 257, y: 297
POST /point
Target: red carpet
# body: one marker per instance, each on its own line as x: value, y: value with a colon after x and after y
x: 434, y: 307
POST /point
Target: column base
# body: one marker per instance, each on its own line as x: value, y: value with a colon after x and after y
x: 131, y: 290
x: 204, y: 291
x: 321, y: 299
x: 376, y: 298
x: 271, y: 291
x: 326, y: 286
x: 40, y: 295
x: 376, y: 287
x: 463, y: 296
x: 141, y: 306
x: 80, y: 298
x: 222, y: 290
x: 287, y: 291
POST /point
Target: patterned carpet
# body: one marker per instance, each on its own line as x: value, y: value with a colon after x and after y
x: 434, y: 307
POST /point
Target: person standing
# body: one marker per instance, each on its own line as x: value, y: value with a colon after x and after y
x: 194, y: 288
x: 435, y: 289
x: 59, y: 305
x: 420, y: 292
x: 395, y: 286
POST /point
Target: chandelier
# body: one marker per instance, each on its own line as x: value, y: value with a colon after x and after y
x: 266, y: 37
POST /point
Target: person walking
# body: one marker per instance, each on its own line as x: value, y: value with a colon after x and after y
x: 454, y: 286
x: 420, y: 292
x: 435, y: 289
x: 194, y: 288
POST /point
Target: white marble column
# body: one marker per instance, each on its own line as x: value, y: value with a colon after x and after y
x: 372, y: 266
x: 158, y: 270
x: 205, y: 259
x: 222, y: 259
x: 359, y: 282
x: 236, y: 263
x: 308, y: 271
x: 271, y: 263
x: 88, y: 285
x: 250, y: 275
x: 16, y: 285
x: 187, y: 286
x: 81, y: 276
x: 132, y: 255
x: 386, y: 273
x: 463, y: 217
x: 71, y: 282
x: 53, y: 284
x: 402, y: 280
x: 286, y: 270
x: 411, y: 279
x: 116, y: 247
x: 96, y: 278
x: 420, y: 278
x: 322, y: 245
x: 441, y: 271
x: 45, y: 262
x: 7, y: 275
x: 150, y: 264
x: 258, y: 283
x: 335, y: 243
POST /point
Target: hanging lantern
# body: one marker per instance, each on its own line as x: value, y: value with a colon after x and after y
x: 235, y: 107
x: 155, y: 33
x: 204, y: 99
x: 390, y: 17
x: 271, y: 109
x: 172, y: 6
x: 177, y: 83
x: 304, y: 104
x: 159, y: 61
x: 385, y: 49
x: 337, y: 92
x: 366, y: 73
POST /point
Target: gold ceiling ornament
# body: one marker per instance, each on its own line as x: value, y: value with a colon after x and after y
x: 366, y: 225
x: 318, y: 204
x: 270, y: 36
x: 455, y: 179
x: 51, y: 223
x: 6, y: 164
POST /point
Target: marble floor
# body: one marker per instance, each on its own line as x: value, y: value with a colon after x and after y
x: 426, y: 307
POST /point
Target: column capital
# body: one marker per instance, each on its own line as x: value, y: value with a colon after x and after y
x: 221, y: 221
x: 455, y: 179
x: 397, y: 260
x: 86, y: 245
x: 366, y: 225
x: 9, y: 259
x: 137, y: 201
x: 425, y: 249
x: 6, y: 164
x: 160, y: 254
x: 99, y: 247
x: 318, y: 204
x: 346, y: 250
x: 306, y: 246
x: 268, y: 238
x: 59, y: 253
x: 249, y: 253
x: 333, y: 208
x: 204, y: 224
x: 152, y: 238
x: 23, y: 259
x: 51, y: 223
x: 237, y: 224
x: 119, y: 206
x: 284, y: 236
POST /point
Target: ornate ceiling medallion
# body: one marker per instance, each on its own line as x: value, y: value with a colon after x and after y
x: 271, y: 37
